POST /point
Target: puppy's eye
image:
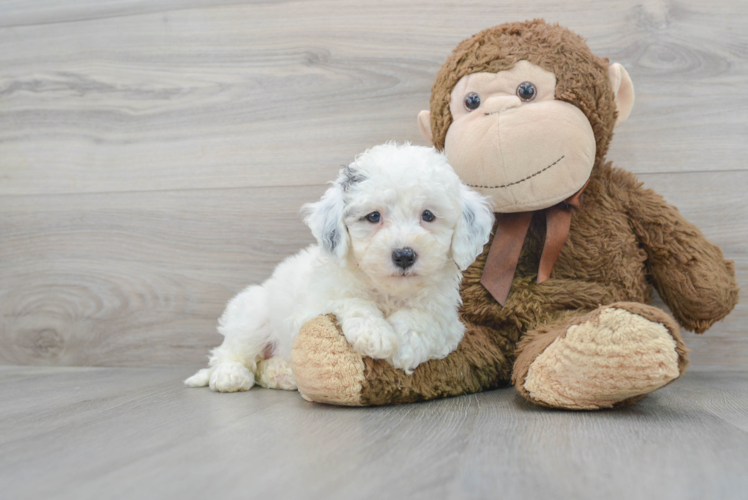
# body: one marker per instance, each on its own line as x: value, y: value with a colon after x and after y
x: 526, y: 91
x: 427, y: 216
x: 373, y: 217
x: 472, y: 101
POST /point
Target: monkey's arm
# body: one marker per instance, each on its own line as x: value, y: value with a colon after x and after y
x: 689, y: 272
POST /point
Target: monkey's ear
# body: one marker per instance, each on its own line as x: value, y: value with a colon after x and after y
x: 424, y: 123
x: 623, y: 88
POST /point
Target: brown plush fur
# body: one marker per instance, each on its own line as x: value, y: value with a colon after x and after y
x: 623, y: 240
x: 582, y: 77
x: 474, y: 367
x: 608, y: 258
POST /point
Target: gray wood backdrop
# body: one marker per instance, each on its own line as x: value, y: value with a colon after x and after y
x: 154, y: 154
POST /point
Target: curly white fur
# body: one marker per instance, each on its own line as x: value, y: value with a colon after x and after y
x: 406, y: 316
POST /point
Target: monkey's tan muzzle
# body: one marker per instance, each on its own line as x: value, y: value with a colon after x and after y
x: 526, y: 158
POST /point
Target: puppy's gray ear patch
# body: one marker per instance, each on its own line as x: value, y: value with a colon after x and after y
x: 325, y: 219
x: 473, y: 228
x: 330, y: 240
x: 349, y: 177
x: 468, y: 216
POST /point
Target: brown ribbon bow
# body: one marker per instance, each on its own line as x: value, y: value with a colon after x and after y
x: 506, y: 247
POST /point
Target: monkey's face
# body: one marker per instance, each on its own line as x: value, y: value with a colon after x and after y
x: 512, y: 140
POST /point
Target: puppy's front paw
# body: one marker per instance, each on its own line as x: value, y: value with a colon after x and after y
x: 421, y: 339
x: 373, y: 337
x: 411, y: 353
x: 231, y: 376
x: 405, y: 359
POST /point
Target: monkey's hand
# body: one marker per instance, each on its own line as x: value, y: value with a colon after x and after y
x: 689, y: 272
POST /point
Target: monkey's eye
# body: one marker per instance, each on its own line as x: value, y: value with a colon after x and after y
x: 373, y: 217
x: 526, y: 91
x: 427, y: 216
x: 472, y: 101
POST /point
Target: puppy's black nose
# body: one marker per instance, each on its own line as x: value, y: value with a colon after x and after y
x: 404, y: 257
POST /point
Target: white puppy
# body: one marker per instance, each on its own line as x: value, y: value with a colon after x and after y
x: 394, y: 233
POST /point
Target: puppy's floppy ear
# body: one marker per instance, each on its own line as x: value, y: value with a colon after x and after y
x: 473, y: 227
x: 325, y: 219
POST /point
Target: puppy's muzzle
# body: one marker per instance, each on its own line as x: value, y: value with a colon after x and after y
x: 404, y: 257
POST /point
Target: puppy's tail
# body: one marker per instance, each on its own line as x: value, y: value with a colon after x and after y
x: 200, y: 379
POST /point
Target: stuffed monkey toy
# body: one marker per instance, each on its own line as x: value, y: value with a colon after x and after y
x: 557, y: 304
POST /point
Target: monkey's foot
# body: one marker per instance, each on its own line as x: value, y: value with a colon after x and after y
x: 612, y: 356
x: 275, y: 373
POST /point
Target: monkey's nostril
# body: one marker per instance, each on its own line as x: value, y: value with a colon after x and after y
x: 404, y: 257
x: 495, y: 105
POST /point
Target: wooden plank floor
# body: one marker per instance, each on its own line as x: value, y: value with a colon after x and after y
x: 154, y: 155
x: 80, y: 433
x: 153, y: 158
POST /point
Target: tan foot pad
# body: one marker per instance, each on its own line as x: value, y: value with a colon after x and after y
x: 274, y: 373
x: 326, y: 369
x: 612, y: 357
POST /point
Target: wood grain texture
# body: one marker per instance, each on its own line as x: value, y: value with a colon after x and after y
x: 129, y: 279
x: 139, y: 279
x: 138, y: 433
x: 282, y: 93
x: 153, y: 155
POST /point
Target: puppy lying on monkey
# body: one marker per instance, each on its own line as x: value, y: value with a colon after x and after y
x: 394, y: 233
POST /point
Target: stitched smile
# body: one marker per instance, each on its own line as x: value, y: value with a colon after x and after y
x: 521, y: 180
